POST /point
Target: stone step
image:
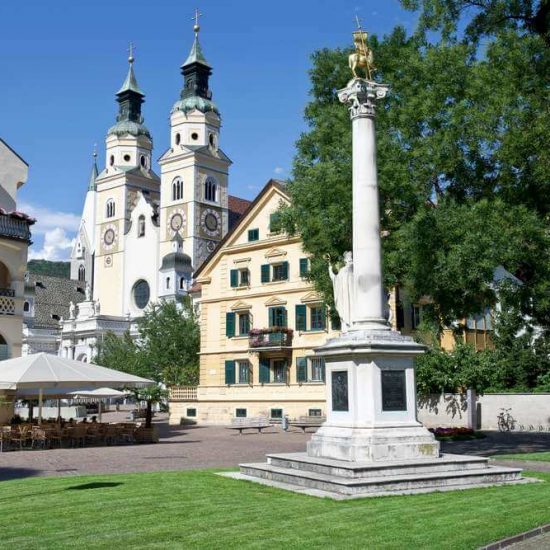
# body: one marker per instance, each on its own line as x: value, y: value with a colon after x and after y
x: 340, y: 468
x: 491, y: 475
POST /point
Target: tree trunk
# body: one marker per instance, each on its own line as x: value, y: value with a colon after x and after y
x: 148, y: 414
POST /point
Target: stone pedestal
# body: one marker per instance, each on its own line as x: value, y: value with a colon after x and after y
x: 371, y: 400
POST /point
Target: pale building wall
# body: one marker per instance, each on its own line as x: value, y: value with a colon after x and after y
x: 13, y: 174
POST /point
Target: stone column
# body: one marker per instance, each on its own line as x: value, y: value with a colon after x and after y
x: 360, y: 95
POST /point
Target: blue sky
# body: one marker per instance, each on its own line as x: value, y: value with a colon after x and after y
x: 62, y: 61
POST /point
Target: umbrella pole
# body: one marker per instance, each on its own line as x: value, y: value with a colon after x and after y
x: 40, y: 406
x: 99, y: 410
x: 58, y: 410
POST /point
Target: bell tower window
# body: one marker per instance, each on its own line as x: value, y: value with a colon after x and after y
x: 210, y: 189
x: 111, y: 160
x: 81, y: 273
x: 177, y: 189
x: 143, y: 161
x: 141, y: 226
x: 178, y: 138
x: 110, y: 209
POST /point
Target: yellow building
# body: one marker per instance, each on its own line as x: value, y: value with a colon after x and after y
x: 14, y: 243
x: 260, y: 320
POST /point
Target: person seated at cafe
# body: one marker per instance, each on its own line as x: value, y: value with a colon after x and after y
x: 94, y: 419
x: 85, y: 420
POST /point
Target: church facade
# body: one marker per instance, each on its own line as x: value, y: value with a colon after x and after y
x: 142, y: 235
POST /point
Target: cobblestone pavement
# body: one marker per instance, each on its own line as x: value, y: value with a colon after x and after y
x: 184, y: 448
x: 542, y: 542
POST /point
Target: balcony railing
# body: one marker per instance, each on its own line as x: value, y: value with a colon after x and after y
x: 7, y: 302
x: 14, y: 228
x: 182, y: 393
x: 270, y: 338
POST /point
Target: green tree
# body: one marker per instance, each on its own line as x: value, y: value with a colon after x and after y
x: 462, y: 161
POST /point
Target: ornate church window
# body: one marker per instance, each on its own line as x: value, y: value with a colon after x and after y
x: 81, y: 273
x: 210, y: 189
x: 110, y: 209
x: 177, y: 189
x: 141, y: 226
x: 141, y: 294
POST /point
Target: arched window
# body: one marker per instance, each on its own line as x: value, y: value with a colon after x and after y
x: 81, y: 273
x: 27, y: 306
x: 182, y: 283
x: 177, y: 189
x: 210, y: 189
x: 110, y: 209
x: 141, y: 226
x: 167, y: 283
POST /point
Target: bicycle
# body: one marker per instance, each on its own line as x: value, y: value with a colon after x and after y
x: 505, y: 420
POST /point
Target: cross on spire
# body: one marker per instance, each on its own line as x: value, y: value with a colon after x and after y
x: 358, y: 21
x: 196, y: 26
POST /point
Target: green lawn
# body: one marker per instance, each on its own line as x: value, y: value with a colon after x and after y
x: 538, y: 457
x: 199, y: 509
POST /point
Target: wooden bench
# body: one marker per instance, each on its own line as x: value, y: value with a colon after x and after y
x: 304, y: 422
x: 253, y: 423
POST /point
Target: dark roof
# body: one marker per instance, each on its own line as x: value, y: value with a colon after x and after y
x: 237, y: 207
x: 177, y: 261
x: 271, y: 183
x: 52, y: 296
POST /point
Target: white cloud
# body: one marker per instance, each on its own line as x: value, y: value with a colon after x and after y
x: 54, y: 229
x: 47, y: 219
x: 57, y: 246
x: 279, y: 170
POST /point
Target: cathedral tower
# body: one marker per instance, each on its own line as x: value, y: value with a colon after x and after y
x: 126, y: 254
x: 194, y: 170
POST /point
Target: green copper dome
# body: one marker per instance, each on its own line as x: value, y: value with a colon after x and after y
x: 124, y: 127
x: 195, y: 102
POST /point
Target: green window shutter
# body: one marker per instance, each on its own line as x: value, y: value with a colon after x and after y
x: 301, y: 369
x: 323, y: 318
x: 323, y: 374
x: 230, y: 372
x: 272, y: 315
x: 304, y: 267
x: 301, y: 317
x: 275, y: 222
x: 266, y: 273
x: 285, y: 270
x: 234, y: 277
x: 264, y: 371
x: 230, y: 324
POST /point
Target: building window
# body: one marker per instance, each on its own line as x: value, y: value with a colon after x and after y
x: 81, y: 273
x: 310, y: 369
x: 194, y: 136
x: 253, y: 235
x: 26, y: 307
x: 317, y: 315
x: 191, y: 413
x: 239, y: 277
x: 143, y: 161
x: 315, y: 412
x: 277, y: 316
x: 141, y: 293
x: 304, y: 267
x: 178, y: 139
x: 141, y: 226
x: 110, y: 209
x: 111, y: 160
x: 240, y: 413
x: 212, y: 140
x: 273, y: 371
x: 280, y: 272
x: 182, y: 283
x: 177, y: 189
x: 127, y: 158
x: 279, y: 371
x: 244, y: 324
x: 244, y: 372
x: 167, y: 283
x: 210, y: 189
x: 276, y: 414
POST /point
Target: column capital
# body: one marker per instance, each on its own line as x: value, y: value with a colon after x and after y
x: 360, y: 96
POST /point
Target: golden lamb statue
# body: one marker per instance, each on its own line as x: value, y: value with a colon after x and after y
x: 363, y: 57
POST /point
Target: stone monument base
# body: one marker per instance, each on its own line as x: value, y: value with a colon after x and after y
x: 373, y: 444
x: 341, y: 480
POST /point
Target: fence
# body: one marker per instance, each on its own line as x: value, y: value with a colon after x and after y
x: 182, y: 393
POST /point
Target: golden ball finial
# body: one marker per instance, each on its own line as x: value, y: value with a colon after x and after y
x: 196, y: 28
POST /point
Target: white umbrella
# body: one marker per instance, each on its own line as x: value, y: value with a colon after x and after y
x: 99, y: 394
x: 43, y: 370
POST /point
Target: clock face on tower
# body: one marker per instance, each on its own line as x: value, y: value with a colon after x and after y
x: 211, y: 222
x: 109, y: 237
x: 176, y: 221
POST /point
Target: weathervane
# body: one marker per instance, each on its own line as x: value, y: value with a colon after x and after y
x: 363, y: 57
x: 196, y: 26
